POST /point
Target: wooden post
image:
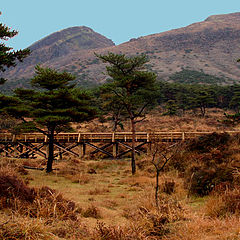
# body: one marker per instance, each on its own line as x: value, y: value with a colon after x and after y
x: 60, y: 154
x: 183, y: 136
x: 82, y: 150
x: 115, y: 149
x: 47, y: 151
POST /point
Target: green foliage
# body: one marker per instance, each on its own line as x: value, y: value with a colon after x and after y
x: 171, y: 108
x: 195, y: 77
x: 53, y: 107
x: 235, y: 101
x: 8, y: 57
x: 130, y: 86
x: 50, y: 79
x: 133, y: 87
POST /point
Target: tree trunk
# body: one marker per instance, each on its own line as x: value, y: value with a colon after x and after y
x: 50, y: 151
x: 157, y: 187
x: 133, y: 163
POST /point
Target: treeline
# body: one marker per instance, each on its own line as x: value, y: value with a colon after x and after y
x: 176, y: 98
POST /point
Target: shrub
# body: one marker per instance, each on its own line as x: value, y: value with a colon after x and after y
x: 224, y: 204
x: 13, y: 187
x: 169, y: 186
x: 207, y: 142
x: 43, y: 202
x: 92, y: 211
x: 104, y: 232
x: 202, y: 181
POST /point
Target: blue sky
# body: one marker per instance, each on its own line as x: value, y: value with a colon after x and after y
x: 119, y: 20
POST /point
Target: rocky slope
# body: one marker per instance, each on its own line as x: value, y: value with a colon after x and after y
x: 211, y: 46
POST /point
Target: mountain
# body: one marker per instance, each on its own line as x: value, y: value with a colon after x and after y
x: 211, y: 46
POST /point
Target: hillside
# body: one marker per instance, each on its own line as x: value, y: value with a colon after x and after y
x: 211, y: 46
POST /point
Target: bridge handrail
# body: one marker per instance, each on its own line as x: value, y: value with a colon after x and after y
x: 108, y: 135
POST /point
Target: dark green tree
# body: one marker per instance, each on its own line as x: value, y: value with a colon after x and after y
x: 235, y: 101
x: 8, y: 57
x: 53, y: 107
x: 112, y: 108
x: 133, y: 86
x: 171, y: 108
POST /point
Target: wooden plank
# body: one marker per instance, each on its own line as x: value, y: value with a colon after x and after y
x: 100, y: 150
x: 67, y: 150
x: 34, y: 149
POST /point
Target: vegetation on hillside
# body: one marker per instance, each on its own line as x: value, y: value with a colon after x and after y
x: 195, y: 77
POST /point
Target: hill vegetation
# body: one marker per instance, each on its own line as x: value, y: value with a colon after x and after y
x: 195, y: 77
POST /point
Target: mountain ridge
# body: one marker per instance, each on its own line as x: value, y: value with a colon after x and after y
x: 211, y: 46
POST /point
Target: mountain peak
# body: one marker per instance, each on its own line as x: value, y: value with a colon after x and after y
x: 224, y: 17
x: 78, y: 37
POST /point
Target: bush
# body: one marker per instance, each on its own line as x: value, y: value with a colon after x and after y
x: 202, y: 181
x: 207, y: 142
x: 224, y: 204
x: 43, y: 202
x: 93, y: 212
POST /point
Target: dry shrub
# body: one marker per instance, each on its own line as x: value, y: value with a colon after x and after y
x: 49, y: 203
x: 201, y: 180
x: 23, y: 228
x: 12, y: 187
x: 205, y: 143
x: 14, y: 163
x: 70, y: 230
x: 80, y: 178
x: 70, y: 167
x: 206, y: 228
x: 93, y: 212
x: 224, y: 204
x: 104, y: 232
x: 169, y: 186
x: 44, y: 202
x: 155, y: 222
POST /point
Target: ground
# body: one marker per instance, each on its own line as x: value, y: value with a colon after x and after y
x: 99, y: 198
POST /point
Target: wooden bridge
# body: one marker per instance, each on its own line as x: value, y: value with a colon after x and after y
x: 113, y: 145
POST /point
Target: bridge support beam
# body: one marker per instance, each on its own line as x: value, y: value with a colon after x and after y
x: 115, y: 149
x: 82, y: 150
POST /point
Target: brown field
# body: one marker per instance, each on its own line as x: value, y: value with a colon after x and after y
x: 154, y: 121
x: 75, y: 202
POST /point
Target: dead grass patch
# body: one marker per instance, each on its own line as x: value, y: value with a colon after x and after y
x: 98, y: 191
x: 92, y: 212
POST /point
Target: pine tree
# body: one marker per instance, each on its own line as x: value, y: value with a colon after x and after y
x: 8, y: 57
x: 53, y: 107
x: 133, y: 86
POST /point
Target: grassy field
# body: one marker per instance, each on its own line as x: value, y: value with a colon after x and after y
x: 199, y: 195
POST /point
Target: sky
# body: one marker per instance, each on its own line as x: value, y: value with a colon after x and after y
x: 119, y: 20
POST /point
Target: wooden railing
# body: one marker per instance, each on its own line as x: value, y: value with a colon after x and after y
x: 110, y: 137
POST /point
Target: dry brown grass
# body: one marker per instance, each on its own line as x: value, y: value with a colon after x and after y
x: 224, y: 204
x: 156, y: 122
x: 202, y: 228
x: 98, y: 191
x: 113, y: 205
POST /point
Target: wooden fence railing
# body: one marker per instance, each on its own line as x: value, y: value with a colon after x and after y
x: 109, y: 137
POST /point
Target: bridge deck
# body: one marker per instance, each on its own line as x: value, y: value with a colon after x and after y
x: 104, y: 137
